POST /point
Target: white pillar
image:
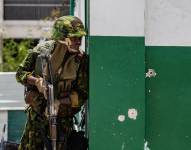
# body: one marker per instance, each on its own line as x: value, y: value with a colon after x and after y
x: 79, y: 11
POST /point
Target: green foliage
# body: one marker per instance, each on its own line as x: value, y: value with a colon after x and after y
x: 14, y: 52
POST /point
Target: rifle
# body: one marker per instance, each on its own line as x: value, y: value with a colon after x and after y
x: 52, y: 115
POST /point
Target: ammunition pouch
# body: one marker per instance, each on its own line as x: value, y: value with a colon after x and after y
x: 70, y: 98
x: 74, y: 99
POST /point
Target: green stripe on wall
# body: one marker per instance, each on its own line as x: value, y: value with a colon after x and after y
x: 117, y: 83
x: 16, y: 122
x: 72, y: 6
x: 168, y: 98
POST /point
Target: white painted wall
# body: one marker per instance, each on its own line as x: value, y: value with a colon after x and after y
x: 168, y: 22
x: 117, y: 17
x: 79, y: 11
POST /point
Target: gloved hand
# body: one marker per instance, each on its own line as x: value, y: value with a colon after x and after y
x: 41, y: 86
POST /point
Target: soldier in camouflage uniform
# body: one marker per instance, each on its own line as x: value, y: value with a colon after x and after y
x: 69, y: 71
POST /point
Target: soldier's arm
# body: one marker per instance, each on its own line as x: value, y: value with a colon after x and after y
x: 25, y: 69
x: 83, y: 79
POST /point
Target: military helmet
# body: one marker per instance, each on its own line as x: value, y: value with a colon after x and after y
x: 66, y: 27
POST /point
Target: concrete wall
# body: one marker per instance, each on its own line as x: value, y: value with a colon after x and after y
x: 168, y: 52
x: 127, y: 40
x: 117, y: 18
x: 167, y: 22
x: 116, y: 47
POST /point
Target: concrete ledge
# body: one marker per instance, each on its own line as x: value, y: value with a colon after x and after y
x: 11, y: 92
x: 26, y: 29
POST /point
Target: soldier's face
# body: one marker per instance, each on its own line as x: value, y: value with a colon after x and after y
x: 75, y: 42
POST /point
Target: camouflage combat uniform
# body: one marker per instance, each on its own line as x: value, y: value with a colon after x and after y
x: 37, y: 123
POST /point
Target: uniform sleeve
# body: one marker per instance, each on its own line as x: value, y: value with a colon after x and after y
x: 83, y: 79
x: 26, y: 67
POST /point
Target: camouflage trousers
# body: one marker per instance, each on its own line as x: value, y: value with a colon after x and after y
x: 37, y: 127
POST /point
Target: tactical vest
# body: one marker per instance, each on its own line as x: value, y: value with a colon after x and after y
x: 62, y: 88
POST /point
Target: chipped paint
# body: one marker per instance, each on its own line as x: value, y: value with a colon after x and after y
x: 151, y: 73
x: 121, y: 118
x: 123, y: 146
x: 132, y: 113
x: 131, y: 138
x: 114, y: 134
x: 146, y: 146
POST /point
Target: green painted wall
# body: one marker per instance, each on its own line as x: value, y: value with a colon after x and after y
x: 72, y: 6
x: 16, y: 122
x: 117, y: 83
x: 168, y: 121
